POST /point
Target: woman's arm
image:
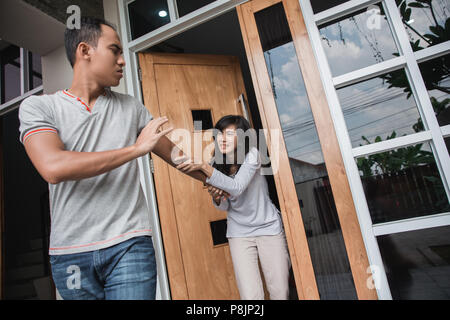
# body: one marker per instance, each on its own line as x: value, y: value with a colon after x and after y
x: 235, y: 186
x: 219, y: 200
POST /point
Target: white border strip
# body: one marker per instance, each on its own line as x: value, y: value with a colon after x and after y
x: 392, y: 144
x: 24, y: 71
x: 432, y: 52
x: 369, y: 72
x: 15, y: 103
x: 438, y: 220
x: 446, y: 131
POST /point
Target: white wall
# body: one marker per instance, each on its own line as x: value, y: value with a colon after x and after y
x: 56, y: 71
x: 112, y: 15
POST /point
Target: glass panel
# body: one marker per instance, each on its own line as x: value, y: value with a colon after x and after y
x: 364, y: 38
x: 219, y: 231
x: 447, y: 143
x: 436, y: 76
x: 36, y: 70
x: 417, y: 263
x: 202, y: 119
x: 426, y: 21
x: 10, y: 60
x: 319, y: 6
x: 184, y: 7
x: 402, y: 183
x: 146, y: 16
x: 325, y: 241
x: 379, y: 109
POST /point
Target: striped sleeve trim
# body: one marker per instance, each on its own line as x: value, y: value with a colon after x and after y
x: 32, y: 132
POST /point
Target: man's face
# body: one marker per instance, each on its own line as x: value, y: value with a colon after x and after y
x: 107, y: 61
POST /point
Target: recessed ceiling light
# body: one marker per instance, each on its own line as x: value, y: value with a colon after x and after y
x: 162, y: 13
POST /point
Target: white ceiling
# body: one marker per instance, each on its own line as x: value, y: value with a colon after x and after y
x: 25, y: 26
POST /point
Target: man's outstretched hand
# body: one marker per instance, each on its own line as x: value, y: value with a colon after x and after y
x: 150, y: 135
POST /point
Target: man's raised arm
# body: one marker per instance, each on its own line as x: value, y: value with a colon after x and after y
x: 55, y: 164
x: 164, y: 149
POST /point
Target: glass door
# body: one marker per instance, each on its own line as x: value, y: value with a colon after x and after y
x: 327, y: 250
x: 390, y: 107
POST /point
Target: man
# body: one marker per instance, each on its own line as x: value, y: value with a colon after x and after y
x: 84, y: 141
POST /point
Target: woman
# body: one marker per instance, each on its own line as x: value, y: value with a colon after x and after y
x: 254, y: 226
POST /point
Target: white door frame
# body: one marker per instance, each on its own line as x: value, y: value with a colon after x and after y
x: 133, y: 87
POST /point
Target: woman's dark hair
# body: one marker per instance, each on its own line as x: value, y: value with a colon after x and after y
x: 219, y: 160
x: 90, y: 31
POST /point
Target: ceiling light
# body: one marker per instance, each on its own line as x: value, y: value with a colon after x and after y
x: 162, y: 13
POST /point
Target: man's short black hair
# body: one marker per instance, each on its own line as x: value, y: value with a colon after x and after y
x: 90, y: 31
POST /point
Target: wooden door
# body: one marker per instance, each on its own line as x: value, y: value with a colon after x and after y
x: 182, y: 87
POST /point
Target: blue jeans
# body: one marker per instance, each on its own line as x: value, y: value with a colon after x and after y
x: 125, y: 271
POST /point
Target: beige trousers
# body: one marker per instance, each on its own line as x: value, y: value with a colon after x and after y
x: 275, y: 263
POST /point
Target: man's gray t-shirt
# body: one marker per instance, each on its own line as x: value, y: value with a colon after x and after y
x: 100, y: 211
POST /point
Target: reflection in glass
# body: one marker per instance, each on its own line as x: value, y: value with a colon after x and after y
x: 325, y: 241
x: 36, y: 70
x: 187, y: 6
x: 447, y: 143
x: 402, y: 183
x: 146, y: 16
x: 379, y: 109
x: 363, y: 39
x: 10, y: 72
x: 436, y: 76
x: 417, y: 263
x: 426, y: 22
x: 319, y: 6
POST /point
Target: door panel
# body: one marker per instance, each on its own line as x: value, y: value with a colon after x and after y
x: 332, y: 190
x: 174, y: 85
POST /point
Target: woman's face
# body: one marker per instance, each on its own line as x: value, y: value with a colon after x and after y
x: 227, y: 139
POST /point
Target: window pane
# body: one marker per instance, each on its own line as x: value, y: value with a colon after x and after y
x: 146, y: 16
x: 187, y: 6
x: 417, y: 263
x: 319, y: 6
x: 426, y: 22
x: 402, y: 183
x: 364, y: 38
x: 447, y: 143
x: 325, y: 241
x: 36, y: 70
x: 436, y: 76
x: 10, y: 59
x: 379, y: 109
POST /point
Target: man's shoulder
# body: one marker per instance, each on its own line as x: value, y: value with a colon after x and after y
x: 128, y: 100
x: 43, y: 101
x: 122, y: 96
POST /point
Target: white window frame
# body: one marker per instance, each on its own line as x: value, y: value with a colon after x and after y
x: 25, y: 91
x: 433, y: 133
